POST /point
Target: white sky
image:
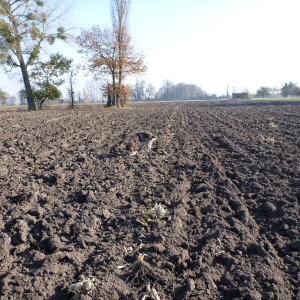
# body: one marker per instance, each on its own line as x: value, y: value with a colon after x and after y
x: 245, y: 44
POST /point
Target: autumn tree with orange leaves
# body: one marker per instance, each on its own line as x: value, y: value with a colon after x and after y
x: 111, y: 55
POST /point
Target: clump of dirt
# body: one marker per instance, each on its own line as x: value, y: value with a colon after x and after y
x: 72, y: 201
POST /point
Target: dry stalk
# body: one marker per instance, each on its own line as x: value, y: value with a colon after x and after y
x: 212, y: 282
x: 270, y: 140
x: 152, y: 291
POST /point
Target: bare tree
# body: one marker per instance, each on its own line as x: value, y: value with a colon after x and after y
x: 94, y: 89
x: 167, y: 90
x: 12, y: 100
x: 128, y: 62
x: 79, y: 96
x: 150, y: 91
x: 22, y: 96
x: 181, y: 91
x: 71, y: 81
x: 263, y: 92
x: 290, y: 89
x: 111, y: 54
x: 275, y: 90
x: 119, y: 15
x: 139, y: 90
x: 85, y: 96
x: 101, y: 52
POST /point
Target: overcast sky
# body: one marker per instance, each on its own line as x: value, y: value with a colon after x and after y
x: 243, y: 44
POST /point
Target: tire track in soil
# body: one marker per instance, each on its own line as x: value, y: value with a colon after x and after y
x: 238, y: 210
x: 219, y: 142
x: 268, y: 159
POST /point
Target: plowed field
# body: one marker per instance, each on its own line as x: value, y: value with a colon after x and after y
x: 73, y: 203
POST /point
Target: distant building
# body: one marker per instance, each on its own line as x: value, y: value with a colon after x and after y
x: 240, y: 96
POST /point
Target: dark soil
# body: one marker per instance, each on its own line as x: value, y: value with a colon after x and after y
x: 228, y: 174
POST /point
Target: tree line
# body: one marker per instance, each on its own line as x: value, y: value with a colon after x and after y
x: 290, y: 89
x: 142, y: 90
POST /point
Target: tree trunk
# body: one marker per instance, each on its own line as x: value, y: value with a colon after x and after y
x: 117, y: 100
x: 28, y: 89
x: 113, y: 103
x: 72, y: 96
x: 108, y: 90
x: 119, y: 86
x: 72, y: 100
